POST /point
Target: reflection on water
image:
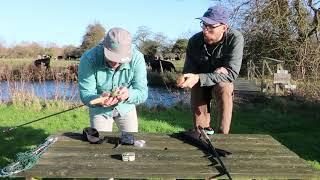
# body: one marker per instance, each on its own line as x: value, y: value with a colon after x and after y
x: 166, y: 97
x: 69, y: 91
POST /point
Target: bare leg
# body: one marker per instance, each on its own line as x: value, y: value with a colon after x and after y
x: 223, y: 93
x: 200, y: 102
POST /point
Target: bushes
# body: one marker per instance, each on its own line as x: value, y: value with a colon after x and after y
x: 167, y: 79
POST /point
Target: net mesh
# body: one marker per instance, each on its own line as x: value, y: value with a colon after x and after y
x: 28, y: 159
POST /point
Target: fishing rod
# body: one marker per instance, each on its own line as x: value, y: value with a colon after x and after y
x: 214, y: 151
x: 92, y: 102
x: 15, y: 127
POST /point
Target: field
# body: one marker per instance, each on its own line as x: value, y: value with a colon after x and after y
x: 17, y: 63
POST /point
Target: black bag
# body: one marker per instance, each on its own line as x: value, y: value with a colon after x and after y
x: 91, y: 135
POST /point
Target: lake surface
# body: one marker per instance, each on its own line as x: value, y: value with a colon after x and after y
x: 69, y: 91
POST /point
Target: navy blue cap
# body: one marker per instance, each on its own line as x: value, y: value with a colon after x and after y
x: 215, y: 15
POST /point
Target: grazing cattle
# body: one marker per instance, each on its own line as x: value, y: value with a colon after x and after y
x: 166, y: 65
x: 148, y: 59
x: 45, y: 61
x: 69, y: 57
x: 154, y: 63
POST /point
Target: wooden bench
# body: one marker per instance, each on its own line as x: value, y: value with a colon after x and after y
x: 253, y: 156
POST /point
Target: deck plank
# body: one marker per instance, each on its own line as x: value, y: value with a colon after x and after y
x: 253, y: 156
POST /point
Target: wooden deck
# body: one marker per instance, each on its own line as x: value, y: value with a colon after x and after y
x: 253, y: 157
x: 243, y: 86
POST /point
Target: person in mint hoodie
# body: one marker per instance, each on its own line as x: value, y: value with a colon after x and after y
x: 112, y: 81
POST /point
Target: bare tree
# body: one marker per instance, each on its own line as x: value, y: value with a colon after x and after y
x: 143, y: 34
x: 179, y: 47
x: 95, y: 33
x: 285, y: 30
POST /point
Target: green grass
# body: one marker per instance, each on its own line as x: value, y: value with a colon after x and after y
x: 178, y: 65
x: 293, y: 123
x: 20, y: 62
x: 16, y: 62
x: 162, y: 120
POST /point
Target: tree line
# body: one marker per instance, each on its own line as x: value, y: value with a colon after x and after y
x: 286, y: 30
x: 149, y: 43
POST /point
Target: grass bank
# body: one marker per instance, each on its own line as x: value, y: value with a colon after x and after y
x: 21, y: 62
x: 293, y: 123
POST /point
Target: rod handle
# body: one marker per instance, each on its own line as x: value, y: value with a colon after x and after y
x: 8, y: 130
x: 98, y: 100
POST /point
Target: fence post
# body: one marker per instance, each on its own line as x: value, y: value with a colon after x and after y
x: 248, y: 70
x: 262, y: 74
x: 161, y: 68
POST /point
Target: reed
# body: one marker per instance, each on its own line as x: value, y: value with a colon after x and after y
x: 23, y: 82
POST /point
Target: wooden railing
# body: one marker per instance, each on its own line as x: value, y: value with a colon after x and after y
x: 262, y: 69
x: 258, y: 70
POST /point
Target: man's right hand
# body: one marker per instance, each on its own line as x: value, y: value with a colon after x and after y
x: 109, y: 100
x: 190, y: 80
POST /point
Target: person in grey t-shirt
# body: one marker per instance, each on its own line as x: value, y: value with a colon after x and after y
x: 213, y: 61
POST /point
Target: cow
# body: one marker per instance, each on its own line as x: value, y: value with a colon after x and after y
x: 70, y: 57
x: 45, y: 60
x: 166, y: 65
x: 148, y: 59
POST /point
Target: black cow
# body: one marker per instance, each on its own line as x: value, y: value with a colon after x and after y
x: 148, y: 59
x: 45, y: 61
x: 166, y: 65
x: 70, y: 57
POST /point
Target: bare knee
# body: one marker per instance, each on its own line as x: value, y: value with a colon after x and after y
x: 224, y: 88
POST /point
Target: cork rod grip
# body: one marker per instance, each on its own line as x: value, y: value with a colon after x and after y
x: 98, y: 100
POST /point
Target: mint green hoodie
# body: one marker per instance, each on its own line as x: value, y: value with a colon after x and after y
x: 95, y: 77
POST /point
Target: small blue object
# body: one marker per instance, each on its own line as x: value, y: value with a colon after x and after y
x: 209, y: 131
x: 126, y: 139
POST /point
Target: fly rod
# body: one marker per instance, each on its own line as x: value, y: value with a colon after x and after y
x: 15, y: 127
x: 92, y: 102
x: 213, y: 149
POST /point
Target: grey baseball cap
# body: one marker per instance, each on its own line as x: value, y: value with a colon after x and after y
x: 117, y: 45
x: 215, y: 15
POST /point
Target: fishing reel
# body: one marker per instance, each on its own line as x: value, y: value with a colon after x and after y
x: 126, y: 139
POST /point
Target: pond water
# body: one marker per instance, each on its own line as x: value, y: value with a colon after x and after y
x: 69, y: 91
